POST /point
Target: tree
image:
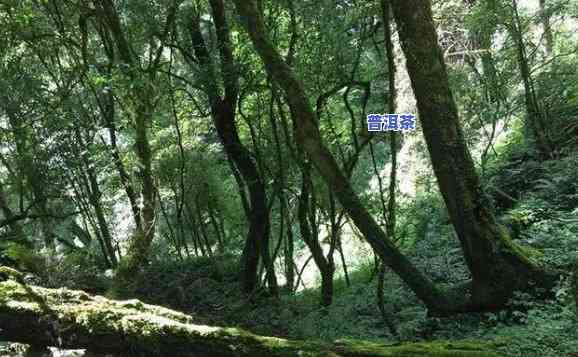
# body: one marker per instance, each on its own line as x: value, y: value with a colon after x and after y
x: 11, y: 219
x: 223, y: 112
x: 141, y: 100
x: 548, y: 36
x: 535, y: 119
x: 308, y: 137
x: 497, y: 265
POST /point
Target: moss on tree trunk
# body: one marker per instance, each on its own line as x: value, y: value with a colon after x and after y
x: 498, y: 266
x: 73, y: 319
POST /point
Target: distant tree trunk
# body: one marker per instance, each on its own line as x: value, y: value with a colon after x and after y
x: 283, y: 204
x: 575, y: 286
x: 535, y: 120
x: 79, y: 183
x: 308, y: 137
x: 94, y: 197
x: 392, y: 203
x: 194, y: 225
x: 173, y: 235
x: 30, y: 167
x: 141, y: 110
x: 10, y: 221
x: 482, y: 42
x: 289, y: 249
x: 481, y: 38
x: 216, y: 228
x: 204, y: 237
x: 548, y: 36
x: 109, y: 114
x: 497, y: 265
x: 325, y: 265
x: 179, y: 198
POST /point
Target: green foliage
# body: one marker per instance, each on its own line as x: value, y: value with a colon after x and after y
x: 79, y: 270
x: 65, y: 92
x: 22, y: 257
x: 194, y: 283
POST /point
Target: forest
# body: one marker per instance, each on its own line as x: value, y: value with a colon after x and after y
x: 330, y: 178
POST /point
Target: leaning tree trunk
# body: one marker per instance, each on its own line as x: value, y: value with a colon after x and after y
x: 309, y: 138
x: 71, y: 319
x: 498, y: 266
x: 95, y: 199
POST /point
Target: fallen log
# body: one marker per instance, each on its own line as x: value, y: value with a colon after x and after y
x: 74, y: 319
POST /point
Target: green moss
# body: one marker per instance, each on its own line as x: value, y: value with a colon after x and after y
x: 10, y: 273
x: 435, y: 348
x: 527, y: 254
x: 12, y: 292
x: 150, y: 330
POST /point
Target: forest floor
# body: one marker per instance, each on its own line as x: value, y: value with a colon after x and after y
x: 543, y: 216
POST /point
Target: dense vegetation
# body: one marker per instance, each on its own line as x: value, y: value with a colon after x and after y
x: 214, y: 157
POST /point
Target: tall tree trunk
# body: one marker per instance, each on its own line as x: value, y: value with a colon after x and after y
x: 223, y: 110
x: 497, y: 265
x: 141, y: 110
x: 108, y: 110
x: 548, y: 36
x: 535, y: 121
x: 141, y: 245
x: 10, y: 220
x: 325, y: 266
x: 308, y: 137
x: 284, y: 211
x: 392, y: 203
x: 94, y: 197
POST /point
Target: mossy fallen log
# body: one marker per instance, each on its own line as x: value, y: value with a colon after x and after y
x: 73, y: 319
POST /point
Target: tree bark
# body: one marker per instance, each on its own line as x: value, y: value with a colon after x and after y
x: 75, y: 320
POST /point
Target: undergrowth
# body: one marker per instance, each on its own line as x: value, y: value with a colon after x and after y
x: 542, y: 214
